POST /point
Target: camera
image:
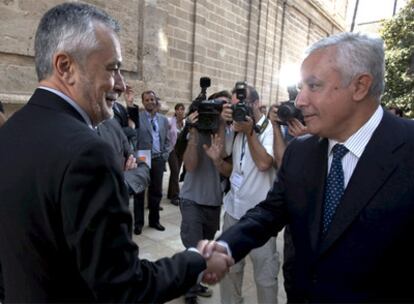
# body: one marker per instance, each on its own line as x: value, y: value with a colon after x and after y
x: 287, y: 111
x: 208, y: 110
x: 241, y: 109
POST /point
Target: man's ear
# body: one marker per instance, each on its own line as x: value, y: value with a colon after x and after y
x: 65, y: 67
x: 361, y: 84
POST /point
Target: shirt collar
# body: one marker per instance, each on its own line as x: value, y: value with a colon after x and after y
x: 72, y: 103
x: 148, y: 115
x: 358, y: 141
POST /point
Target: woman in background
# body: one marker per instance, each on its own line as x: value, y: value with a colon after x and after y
x: 175, y: 160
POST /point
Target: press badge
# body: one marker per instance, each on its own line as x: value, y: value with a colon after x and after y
x: 236, y: 180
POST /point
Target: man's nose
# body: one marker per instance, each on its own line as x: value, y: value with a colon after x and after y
x: 119, y: 85
x: 300, y: 100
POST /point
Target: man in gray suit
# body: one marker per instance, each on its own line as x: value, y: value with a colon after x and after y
x: 153, y: 129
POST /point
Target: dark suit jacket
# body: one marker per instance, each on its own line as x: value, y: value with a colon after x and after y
x: 367, y: 255
x: 121, y: 115
x: 136, y: 179
x: 65, y: 227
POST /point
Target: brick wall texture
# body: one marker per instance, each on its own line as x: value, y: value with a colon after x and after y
x: 169, y: 44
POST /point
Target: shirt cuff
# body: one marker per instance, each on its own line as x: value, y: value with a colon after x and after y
x: 225, y: 245
x: 200, y: 276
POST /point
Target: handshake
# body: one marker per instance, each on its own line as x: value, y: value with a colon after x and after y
x: 217, y: 259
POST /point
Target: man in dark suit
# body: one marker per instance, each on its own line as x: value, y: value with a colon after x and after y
x: 153, y: 131
x: 136, y: 174
x: 121, y: 115
x: 351, y: 215
x: 65, y: 227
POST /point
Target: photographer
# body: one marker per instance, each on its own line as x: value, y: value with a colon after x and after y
x: 292, y: 128
x: 251, y: 176
x: 201, y: 194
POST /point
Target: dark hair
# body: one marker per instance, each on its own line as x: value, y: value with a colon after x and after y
x: 148, y: 92
x: 178, y: 105
x: 1, y: 107
x: 223, y: 93
x: 252, y: 94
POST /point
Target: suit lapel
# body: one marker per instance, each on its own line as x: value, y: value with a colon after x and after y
x: 373, y: 169
x: 316, y: 179
x: 147, y: 124
x: 161, y: 131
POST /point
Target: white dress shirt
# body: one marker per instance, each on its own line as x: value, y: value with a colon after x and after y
x: 356, y: 145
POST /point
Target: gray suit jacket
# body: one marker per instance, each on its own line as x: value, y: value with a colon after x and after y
x: 145, y: 134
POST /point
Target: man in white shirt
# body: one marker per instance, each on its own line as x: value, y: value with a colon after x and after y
x: 251, y: 176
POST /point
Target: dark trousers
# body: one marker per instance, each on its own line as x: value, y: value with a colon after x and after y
x: 288, y: 264
x: 154, y: 195
x: 175, y: 165
x: 198, y: 223
x: 1, y: 286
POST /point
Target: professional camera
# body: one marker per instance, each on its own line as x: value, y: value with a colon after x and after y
x: 287, y: 111
x: 241, y: 109
x: 208, y: 110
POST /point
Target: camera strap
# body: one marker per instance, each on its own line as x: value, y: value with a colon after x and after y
x: 263, y: 127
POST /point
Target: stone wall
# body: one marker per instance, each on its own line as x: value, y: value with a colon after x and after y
x: 169, y: 44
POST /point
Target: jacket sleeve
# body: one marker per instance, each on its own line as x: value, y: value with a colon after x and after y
x: 138, y: 178
x: 97, y: 227
x: 133, y: 114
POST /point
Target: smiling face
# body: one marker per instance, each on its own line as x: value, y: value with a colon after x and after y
x: 149, y: 102
x: 325, y: 100
x: 99, y: 81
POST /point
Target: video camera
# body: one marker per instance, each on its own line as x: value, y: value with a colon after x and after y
x: 287, y: 109
x: 208, y: 110
x: 241, y: 109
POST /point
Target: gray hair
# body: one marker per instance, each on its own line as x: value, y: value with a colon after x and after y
x: 68, y: 27
x: 356, y: 54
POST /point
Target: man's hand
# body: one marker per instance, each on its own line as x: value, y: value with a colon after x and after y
x: 217, y: 267
x: 244, y: 126
x: 215, y: 150
x: 130, y: 163
x: 129, y: 96
x: 274, y: 119
x: 227, y: 112
x: 131, y: 123
x: 296, y: 128
x: 218, y: 261
x: 192, y: 118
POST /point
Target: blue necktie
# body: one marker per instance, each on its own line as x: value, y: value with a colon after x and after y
x: 154, y: 126
x: 334, y: 186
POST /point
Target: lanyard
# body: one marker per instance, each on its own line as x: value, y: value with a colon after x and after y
x: 243, y: 150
